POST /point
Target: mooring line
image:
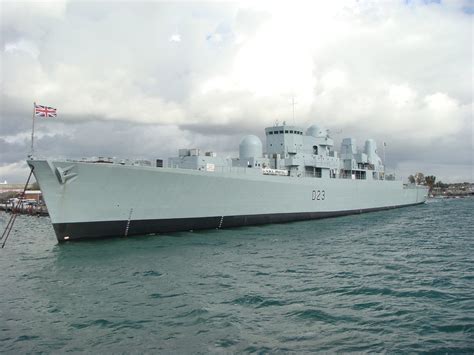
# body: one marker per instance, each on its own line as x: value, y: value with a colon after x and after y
x: 7, y: 227
x: 11, y: 222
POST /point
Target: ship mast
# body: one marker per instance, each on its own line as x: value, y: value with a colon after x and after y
x: 293, y: 103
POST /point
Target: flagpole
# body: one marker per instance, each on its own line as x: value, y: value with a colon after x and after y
x: 33, y: 130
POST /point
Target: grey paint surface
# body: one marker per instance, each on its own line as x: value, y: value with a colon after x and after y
x: 108, y: 192
x: 300, y: 176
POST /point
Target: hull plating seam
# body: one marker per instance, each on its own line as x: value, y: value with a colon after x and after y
x: 92, y: 230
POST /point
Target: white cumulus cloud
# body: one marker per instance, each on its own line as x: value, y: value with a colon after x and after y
x: 394, y: 71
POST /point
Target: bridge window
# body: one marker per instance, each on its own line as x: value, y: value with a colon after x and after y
x: 276, y: 132
x: 291, y: 131
x: 270, y: 132
x: 315, y: 149
x: 281, y: 132
x: 286, y: 131
x: 360, y: 175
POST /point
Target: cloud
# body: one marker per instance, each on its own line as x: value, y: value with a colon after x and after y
x: 207, y: 73
x: 22, y: 46
x: 13, y: 171
x: 175, y: 38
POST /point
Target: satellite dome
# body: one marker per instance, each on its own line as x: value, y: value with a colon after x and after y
x: 250, y: 147
x: 316, y: 131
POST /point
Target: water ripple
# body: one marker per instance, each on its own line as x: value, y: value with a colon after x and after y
x: 396, y: 281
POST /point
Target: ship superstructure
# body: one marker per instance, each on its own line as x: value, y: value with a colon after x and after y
x: 297, y: 175
x: 293, y: 153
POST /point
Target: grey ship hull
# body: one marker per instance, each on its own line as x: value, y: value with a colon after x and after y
x: 87, y: 200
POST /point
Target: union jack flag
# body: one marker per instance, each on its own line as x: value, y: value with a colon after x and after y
x: 45, y: 111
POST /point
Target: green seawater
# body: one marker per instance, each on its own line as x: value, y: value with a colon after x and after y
x: 395, y: 281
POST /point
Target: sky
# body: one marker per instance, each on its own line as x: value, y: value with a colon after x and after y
x: 143, y: 79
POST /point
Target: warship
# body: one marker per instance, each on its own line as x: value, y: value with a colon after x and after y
x: 297, y: 175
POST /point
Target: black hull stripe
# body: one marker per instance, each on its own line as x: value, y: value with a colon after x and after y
x: 105, y: 229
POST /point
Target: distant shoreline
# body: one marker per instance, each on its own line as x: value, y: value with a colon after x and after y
x: 460, y: 189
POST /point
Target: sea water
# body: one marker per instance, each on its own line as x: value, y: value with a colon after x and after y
x: 396, y: 281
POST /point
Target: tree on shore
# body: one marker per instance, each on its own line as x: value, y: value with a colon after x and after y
x: 419, y: 178
x: 430, y: 181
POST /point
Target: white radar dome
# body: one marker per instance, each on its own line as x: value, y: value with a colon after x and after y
x: 316, y: 131
x: 250, y: 147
